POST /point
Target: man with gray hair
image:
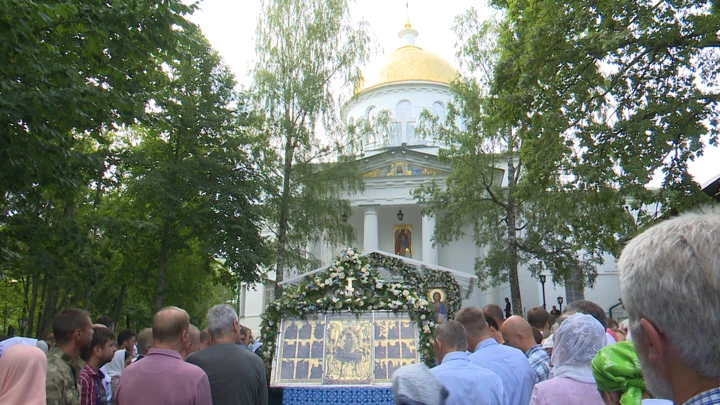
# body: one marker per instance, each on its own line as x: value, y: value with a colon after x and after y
x: 466, y: 382
x: 670, y: 285
x: 237, y: 376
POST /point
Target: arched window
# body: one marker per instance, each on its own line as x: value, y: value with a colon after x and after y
x: 371, y: 112
x: 351, y: 121
x: 438, y: 110
x: 404, y: 111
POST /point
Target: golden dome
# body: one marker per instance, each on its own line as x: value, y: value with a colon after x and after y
x: 407, y: 63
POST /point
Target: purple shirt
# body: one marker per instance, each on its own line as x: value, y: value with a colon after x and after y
x: 163, y: 378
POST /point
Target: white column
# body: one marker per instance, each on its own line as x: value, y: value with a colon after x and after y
x: 370, y: 230
x: 429, y: 252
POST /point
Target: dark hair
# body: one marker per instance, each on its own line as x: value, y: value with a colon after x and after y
x: 205, y: 336
x: 538, y: 317
x: 100, y: 337
x: 491, y: 322
x: 612, y: 324
x: 107, y: 321
x: 537, y: 336
x: 494, y: 311
x: 473, y: 320
x: 67, y: 322
x: 587, y: 308
x: 125, y: 335
x: 244, y: 330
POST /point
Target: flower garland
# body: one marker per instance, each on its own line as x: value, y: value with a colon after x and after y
x: 424, y: 278
x: 328, y: 291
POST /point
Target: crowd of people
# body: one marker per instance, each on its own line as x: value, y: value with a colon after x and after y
x: 668, y: 351
x: 172, y: 363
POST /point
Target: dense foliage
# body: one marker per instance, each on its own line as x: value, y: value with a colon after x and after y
x: 126, y: 182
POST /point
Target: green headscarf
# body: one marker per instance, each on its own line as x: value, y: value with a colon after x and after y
x: 616, y: 368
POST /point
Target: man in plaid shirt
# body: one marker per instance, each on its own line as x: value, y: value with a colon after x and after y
x: 670, y: 286
x: 518, y: 333
x: 101, y: 350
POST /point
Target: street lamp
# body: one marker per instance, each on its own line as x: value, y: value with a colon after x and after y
x: 22, y: 323
x: 344, y: 217
x: 560, y: 301
x: 400, y: 215
x: 543, y: 278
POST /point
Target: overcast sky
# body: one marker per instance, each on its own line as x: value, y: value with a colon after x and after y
x: 230, y: 27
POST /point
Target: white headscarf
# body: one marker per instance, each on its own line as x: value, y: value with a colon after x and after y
x: 416, y: 384
x: 117, y: 365
x: 577, y: 341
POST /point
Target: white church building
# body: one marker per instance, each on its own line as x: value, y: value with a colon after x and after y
x: 385, y: 216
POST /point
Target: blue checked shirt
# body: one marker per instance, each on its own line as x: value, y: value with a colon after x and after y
x: 708, y: 397
x: 540, y: 362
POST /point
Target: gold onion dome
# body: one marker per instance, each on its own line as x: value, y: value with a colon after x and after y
x: 407, y: 63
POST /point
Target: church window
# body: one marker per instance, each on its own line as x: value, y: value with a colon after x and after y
x: 371, y: 112
x: 438, y: 110
x: 396, y: 132
x: 410, y: 131
x: 404, y: 111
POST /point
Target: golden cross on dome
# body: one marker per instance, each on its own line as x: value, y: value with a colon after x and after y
x: 407, y: 14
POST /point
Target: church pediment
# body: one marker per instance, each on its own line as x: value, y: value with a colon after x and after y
x: 402, y: 168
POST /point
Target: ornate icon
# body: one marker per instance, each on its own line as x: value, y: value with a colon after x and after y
x: 348, y: 352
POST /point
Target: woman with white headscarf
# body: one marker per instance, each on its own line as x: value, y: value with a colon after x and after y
x: 115, y: 369
x: 571, y: 382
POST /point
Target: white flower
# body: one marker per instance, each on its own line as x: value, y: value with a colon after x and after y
x: 341, y: 276
x: 405, y: 307
x: 361, y: 303
x: 406, y: 293
x: 422, y: 316
x: 379, y: 285
x: 426, y: 329
x: 328, y: 281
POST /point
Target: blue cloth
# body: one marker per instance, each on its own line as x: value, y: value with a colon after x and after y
x: 539, y: 361
x: 338, y: 395
x: 511, y: 365
x: 469, y: 383
x: 709, y: 397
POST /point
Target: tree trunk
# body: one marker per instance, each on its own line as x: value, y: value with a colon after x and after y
x: 284, y: 208
x: 164, y: 251
x: 512, y: 231
x: 33, y: 303
x: 119, y: 304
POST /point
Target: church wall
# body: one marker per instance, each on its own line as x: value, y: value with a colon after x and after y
x: 420, y: 95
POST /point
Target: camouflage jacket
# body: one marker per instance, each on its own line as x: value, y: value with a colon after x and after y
x: 62, y: 376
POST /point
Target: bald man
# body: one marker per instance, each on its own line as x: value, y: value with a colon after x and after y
x: 162, y: 377
x: 518, y: 333
x: 508, y: 363
x: 193, y: 342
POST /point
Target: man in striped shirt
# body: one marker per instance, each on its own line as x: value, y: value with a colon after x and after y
x: 101, y: 350
x: 518, y: 333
